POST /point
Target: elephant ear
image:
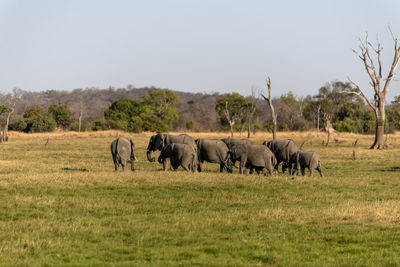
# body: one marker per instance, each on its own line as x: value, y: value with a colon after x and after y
x: 239, y: 150
x: 124, y: 148
x: 151, y: 143
x: 164, y: 140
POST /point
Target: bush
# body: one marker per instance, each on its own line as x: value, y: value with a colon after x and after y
x: 17, y: 123
x: 154, y: 124
x: 189, y: 125
x: 342, y: 126
x: 61, y: 115
x: 45, y: 123
x: 85, y: 126
x: 135, y: 124
x: 100, y: 125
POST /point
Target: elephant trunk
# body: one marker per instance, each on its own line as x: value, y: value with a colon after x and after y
x: 160, y: 159
x: 149, y: 156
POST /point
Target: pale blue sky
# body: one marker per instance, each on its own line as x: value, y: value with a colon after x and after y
x: 195, y: 46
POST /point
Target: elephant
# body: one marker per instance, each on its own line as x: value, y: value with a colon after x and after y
x: 301, y: 160
x: 180, y: 155
x: 282, y: 150
x: 123, y: 152
x: 230, y: 142
x: 253, y: 156
x: 159, y: 141
x: 214, y: 151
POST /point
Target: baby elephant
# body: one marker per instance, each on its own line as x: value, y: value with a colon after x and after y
x: 180, y: 155
x: 123, y: 152
x: 301, y: 160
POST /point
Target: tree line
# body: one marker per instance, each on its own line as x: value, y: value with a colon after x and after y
x: 161, y: 110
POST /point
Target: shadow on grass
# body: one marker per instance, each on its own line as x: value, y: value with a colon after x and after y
x: 391, y: 169
x: 75, y: 169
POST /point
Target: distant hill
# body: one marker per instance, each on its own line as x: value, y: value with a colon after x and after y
x: 196, y: 107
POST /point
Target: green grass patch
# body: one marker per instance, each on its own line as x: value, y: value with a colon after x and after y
x: 63, y: 205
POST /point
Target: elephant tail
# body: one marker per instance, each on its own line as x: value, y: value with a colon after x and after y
x: 273, y: 160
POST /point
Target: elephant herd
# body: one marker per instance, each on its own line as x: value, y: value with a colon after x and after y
x: 183, y: 150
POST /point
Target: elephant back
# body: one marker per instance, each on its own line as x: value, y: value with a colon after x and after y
x: 124, y: 148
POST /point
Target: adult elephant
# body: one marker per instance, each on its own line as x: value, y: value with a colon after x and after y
x: 180, y: 155
x: 253, y: 156
x: 230, y: 142
x: 213, y: 151
x: 159, y: 141
x: 282, y: 150
x: 123, y: 152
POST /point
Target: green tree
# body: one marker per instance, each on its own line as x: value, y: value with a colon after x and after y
x: 61, y: 115
x: 232, y: 108
x: 134, y: 116
x: 163, y: 105
x: 290, y: 115
x: 36, y: 120
x: 33, y: 113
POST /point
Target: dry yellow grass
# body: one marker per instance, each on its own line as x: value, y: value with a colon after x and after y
x: 64, y: 204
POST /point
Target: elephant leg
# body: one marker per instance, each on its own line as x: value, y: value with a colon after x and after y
x: 185, y: 167
x: 320, y: 171
x: 303, y: 171
x: 186, y: 164
x: 165, y: 164
x: 248, y: 171
x: 175, y: 164
x: 116, y: 165
x: 311, y: 172
x: 221, y: 167
x: 283, y: 167
x: 123, y: 163
x: 200, y: 166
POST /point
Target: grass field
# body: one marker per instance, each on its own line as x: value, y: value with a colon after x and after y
x: 63, y: 205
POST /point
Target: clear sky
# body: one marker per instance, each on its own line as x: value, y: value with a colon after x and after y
x: 195, y: 46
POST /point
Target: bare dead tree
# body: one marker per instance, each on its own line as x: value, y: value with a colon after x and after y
x: 377, y: 80
x: 269, y: 101
x: 318, y: 115
x: 328, y: 127
x: 230, y: 120
x: 10, y: 112
x: 251, y: 111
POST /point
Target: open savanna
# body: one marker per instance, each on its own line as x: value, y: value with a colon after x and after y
x: 63, y: 204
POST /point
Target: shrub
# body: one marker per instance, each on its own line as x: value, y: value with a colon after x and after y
x: 189, y: 125
x: 100, y: 125
x: 61, y: 115
x: 45, y: 123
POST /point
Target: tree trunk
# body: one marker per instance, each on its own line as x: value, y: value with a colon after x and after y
x: 7, y: 123
x: 231, y: 125
x: 248, y: 127
x: 379, y: 142
x: 318, y: 115
x: 274, y: 126
x: 79, y: 122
